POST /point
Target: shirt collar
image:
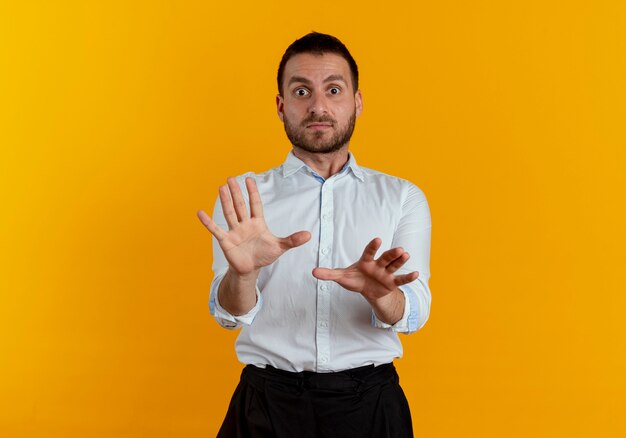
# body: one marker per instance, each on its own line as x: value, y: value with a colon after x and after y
x: 292, y: 164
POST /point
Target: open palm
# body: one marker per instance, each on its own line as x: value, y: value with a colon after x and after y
x: 248, y: 245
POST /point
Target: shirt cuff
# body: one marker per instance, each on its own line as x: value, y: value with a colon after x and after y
x: 226, y: 319
x: 409, y: 317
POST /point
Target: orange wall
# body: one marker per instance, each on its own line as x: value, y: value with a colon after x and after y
x: 120, y: 119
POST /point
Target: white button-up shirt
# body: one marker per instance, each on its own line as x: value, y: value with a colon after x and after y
x: 300, y: 323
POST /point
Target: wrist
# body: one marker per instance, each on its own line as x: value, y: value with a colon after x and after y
x: 247, y: 277
x: 376, y: 300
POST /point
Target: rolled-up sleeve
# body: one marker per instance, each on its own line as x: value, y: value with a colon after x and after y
x: 413, y: 234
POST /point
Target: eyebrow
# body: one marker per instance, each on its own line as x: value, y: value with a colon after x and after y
x: 304, y: 80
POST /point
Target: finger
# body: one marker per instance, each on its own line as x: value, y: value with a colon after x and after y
x: 256, y: 206
x: 228, y: 209
x: 212, y: 226
x: 294, y: 240
x: 370, y: 249
x: 389, y: 256
x: 397, y: 263
x: 238, y: 201
x: 406, y: 278
x: 327, y: 274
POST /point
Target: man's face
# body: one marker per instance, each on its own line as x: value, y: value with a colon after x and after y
x: 318, y: 106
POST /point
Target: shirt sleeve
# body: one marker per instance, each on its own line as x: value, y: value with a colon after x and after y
x: 413, y: 233
x: 220, y: 267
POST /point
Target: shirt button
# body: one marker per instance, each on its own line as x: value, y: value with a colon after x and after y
x: 323, y: 324
x: 324, y: 286
x: 325, y: 216
x: 324, y: 359
x: 324, y: 250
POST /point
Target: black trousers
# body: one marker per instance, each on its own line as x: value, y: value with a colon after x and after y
x: 362, y: 402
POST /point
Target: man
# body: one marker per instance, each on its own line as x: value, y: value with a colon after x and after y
x: 319, y: 311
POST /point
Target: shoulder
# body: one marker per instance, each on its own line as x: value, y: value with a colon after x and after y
x: 404, y: 187
x: 261, y: 179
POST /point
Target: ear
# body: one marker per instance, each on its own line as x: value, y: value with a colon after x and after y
x: 279, y: 106
x: 358, y: 103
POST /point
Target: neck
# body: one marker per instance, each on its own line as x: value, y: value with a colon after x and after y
x: 325, y: 165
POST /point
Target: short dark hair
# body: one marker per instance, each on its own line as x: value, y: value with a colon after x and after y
x: 318, y: 44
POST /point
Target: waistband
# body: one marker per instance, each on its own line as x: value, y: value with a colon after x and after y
x: 349, y: 380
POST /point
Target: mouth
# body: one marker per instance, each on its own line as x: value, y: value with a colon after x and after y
x: 319, y: 126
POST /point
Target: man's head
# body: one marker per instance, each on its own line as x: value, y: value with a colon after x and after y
x: 318, y: 98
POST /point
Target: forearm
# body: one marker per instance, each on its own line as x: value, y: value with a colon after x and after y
x: 237, y: 293
x: 390, y: 308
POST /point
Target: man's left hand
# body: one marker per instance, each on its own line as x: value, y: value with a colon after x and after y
x: 372, y: 278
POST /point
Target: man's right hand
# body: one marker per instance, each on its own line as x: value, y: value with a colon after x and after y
x: 248, y: 245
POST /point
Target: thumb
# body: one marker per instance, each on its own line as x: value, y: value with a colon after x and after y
x: 327, y: 274
x: 294, y: 240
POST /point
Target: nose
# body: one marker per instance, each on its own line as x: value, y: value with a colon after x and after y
x: 318, y: 104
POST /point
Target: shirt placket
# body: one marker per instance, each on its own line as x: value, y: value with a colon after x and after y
x: 322, y: 337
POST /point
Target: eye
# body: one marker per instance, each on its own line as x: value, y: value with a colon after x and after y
x: 301, y: 92
x: 335, y: 90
